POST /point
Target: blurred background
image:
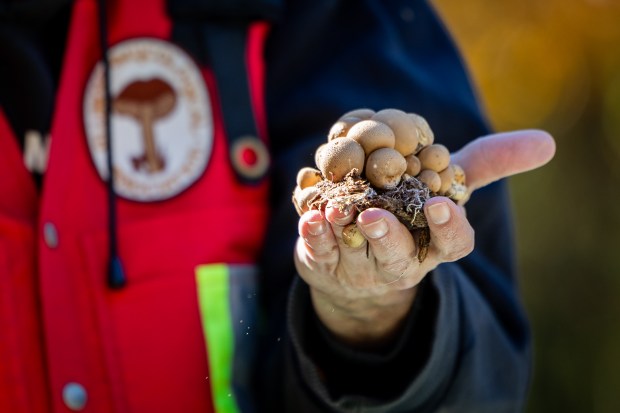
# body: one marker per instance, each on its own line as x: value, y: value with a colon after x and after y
x: 555, y: 65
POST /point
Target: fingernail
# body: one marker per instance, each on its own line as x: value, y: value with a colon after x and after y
x: 342, y: 221
x: 376, y: 229
x: 316, y: 227
x: 439, y: 213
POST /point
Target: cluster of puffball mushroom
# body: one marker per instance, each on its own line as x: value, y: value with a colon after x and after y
x: 386, y: 148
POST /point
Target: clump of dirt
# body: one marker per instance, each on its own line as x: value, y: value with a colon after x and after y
x: 405, y: 201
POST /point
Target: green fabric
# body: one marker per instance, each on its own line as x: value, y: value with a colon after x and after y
x: 213, y: 292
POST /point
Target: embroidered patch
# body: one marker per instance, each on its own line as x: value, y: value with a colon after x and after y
x: 161, y: 122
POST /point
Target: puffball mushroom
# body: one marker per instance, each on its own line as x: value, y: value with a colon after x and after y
x: 372, y: 135
x: 423, y: 130
x: 459, y: 174
x: 413, y: 165
x: 404, y: 129
x: 352, y: 236
x: 384, y: 168
x: 458, y: 189
x: 457, y: 192
x: 341, y: 127
x: 308, y: 177
x: 447, y: 176
x: 302, y: 198
x: 431, y: 179
x: 361, y: 113
x: 435, y: 157
x: 339, y: 157
x: 317, y: 154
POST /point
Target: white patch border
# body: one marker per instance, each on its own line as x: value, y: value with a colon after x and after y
x: 154, y: 57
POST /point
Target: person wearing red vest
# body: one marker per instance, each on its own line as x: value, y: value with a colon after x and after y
x: 151, y: 259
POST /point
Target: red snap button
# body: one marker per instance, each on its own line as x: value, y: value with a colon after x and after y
x: 250, y: 157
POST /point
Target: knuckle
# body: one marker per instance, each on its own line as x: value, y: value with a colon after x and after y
x: 456, y: 242
x: 323, y: 251
x: 460, y: 250
x: 397, y: 267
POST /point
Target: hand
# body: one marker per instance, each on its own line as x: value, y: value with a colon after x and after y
x: 363, y: 294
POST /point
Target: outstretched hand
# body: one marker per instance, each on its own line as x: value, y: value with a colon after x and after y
x: 362, y: 294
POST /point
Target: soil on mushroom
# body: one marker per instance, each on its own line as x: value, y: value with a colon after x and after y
x: 405, y: 201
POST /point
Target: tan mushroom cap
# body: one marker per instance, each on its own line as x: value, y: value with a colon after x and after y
x: 308, y: 177
x: 425, y: 134
x: 459, y: 174
x: 341, y: 127
x: 447, y: 176
x: 372, y: 135
x: 339, y: 157
x: 361, y: 113
x: 352, y: 236
x: 317, y: 154
x: 431, y: 179
x: 435, y: 157
x: 404, y: 129
x: 296, y: 196
x: 414, y: 166
x: 458, y: 192
x: 302, y: 198
x: 385, y: 167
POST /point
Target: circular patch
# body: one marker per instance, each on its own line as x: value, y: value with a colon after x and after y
x: 161, y: 120
x: 250, y: 157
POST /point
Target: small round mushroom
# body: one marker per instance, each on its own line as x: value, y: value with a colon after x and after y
x: 352, y: 236
x: 384, y: 168
x: 431, y: 179
x: 317, y: 154
x: 423, y: 130
x: 372, y: 135
x: 435, y: 157
x: 341, y: 127
x: 414, y: 166
x: 459, y: 174
x: 457, y: 192
x: 296, y: 196
x: 404, y: 129
x: 308, y: 177
x: 361, y: 113
x: 447, y: 176
x: 339, y: 157
x: 302, y: 198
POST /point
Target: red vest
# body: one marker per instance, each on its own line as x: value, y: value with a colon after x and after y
x: 176, y: 337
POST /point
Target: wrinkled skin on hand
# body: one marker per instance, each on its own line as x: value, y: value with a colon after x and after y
x: 363, y: 294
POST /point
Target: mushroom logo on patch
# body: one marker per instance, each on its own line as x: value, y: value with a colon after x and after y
x: 161, y: 121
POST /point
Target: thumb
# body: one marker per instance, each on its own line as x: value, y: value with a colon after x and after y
x: 500, y: 155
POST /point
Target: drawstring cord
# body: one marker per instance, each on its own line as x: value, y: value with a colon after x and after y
x: 116, y: 275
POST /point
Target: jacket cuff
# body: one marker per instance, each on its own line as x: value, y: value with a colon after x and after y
x: 343, y: 378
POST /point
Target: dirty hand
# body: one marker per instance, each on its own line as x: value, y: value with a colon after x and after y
x: 363, y: 294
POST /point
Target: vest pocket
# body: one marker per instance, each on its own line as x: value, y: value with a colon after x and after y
x: 152, y: 330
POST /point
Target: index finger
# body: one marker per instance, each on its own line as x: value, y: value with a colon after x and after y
x: 490, y: 158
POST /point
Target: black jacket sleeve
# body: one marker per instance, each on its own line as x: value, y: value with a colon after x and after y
x: 465, y: 346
